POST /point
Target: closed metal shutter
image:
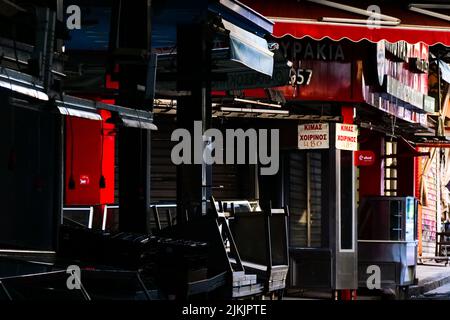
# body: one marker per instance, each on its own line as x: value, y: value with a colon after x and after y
x: 305, y: 172
x: 229, y: 182
x: 225, y: 182
x: 316, y: 199
x: 297, y: 200
x: 163, y: 171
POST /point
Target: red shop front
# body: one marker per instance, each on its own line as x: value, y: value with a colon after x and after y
x: 376, y: 78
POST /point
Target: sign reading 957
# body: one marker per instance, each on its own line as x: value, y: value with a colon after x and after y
x: 300, y: 77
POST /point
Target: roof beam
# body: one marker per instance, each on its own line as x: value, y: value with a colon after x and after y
x: 422, y: 8
x: 375, y: 18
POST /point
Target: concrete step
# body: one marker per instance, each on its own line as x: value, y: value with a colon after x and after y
x: 430, y: 278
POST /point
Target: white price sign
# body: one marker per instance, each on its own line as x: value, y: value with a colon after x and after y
x: 313, y: 136
x: 346, y: 137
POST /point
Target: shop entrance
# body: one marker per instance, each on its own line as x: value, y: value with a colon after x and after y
x: 320, y: 191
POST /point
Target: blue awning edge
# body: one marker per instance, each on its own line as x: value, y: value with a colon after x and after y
x: 249, y: 49
x: 242, y: 16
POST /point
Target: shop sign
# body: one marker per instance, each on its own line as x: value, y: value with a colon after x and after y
x: 429, y: 104
x: 364, y: 158
x: 346, y: 137
x: 314, y: 136
x: 250, y: 79
x: 403, y: 92
x: 399, y: 50
x: 312, y: 50
x: 84, y: 180
x: 420, y: 65
x: 298, y: 77
x: 381, y: 58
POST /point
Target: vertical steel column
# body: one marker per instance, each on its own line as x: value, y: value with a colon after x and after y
x: 194, y: 45
x: 134, y: 32
x: 59, y: 177
x: 345, y: 265
x: 308, y: 199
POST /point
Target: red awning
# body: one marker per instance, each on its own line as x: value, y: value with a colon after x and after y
x: 336, y: 31
x: 305, y: 19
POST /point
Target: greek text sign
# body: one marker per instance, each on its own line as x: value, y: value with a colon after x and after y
x: 346, y: 137
x: 314, y: 136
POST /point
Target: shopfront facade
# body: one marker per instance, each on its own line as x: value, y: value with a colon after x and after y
x: 376, y: 78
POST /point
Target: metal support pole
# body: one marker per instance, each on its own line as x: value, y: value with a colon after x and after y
x: 134, y: 32
x: 194, y: 44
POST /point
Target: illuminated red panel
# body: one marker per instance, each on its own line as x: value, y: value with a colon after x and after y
x: 92, y: 151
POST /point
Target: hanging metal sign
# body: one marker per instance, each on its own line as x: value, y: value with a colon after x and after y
x: 346, y: 137
x: 314, y: 136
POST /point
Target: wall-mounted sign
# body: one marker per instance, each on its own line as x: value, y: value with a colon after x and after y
x: 399, y: 50
x: 248, y: 79
x: 364, y: 158
x: 346, y: 137
x: 314, y: 136
x: 312, y: 50
x: 298, y: 77
x: 429, y: 104
x: 403, y: 92
x: 84, y: 180
x: 419, y: 65
x: 381, y: 60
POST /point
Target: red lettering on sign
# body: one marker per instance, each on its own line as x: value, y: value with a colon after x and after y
x: 347, y: 128
x: 346, y: 139
x: 315, y: 126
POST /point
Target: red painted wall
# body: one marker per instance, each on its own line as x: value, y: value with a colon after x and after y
x: 371, y: 177
x: 84, y: 163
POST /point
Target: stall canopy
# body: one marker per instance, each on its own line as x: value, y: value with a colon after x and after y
x: 76, y: 107
x: 249, y: 49
x: 342, y: 19
x: 26, y: 91
x: 246, y: 29
x: 89, y: 109
x: 21, y: 84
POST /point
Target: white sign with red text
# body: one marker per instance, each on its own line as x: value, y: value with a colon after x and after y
x: 314, y: 136
x: 346, y: 137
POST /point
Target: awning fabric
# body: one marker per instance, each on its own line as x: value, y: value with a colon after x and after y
x: 25, y: 84
x: 356, y: 33
x: 76, y: 107
x: 128, y: 117
x: 249, y: 49
x: 137, y: 120
x: 22, y: 84
x: 305, y: 18
x: 89, y: 109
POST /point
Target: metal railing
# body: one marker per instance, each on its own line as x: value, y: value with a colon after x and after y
x: 89, y: 210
